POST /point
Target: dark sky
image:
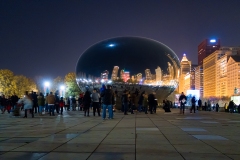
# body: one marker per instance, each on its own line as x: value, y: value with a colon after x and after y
x: 46, y: 37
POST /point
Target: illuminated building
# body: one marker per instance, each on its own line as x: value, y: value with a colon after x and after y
x: 122, y: 75
x: 170, y: 70
x: 215, y: 70
x: 115, y: 72
x: 185, y: 68
x: 233, y: 75
x: 187, y: 82
x: 199, y: 79
x: 148, y: 75
x: 158, y: 72
x: 126, y: 76
x: 139, y: 77
x: 206, y: 47
x: 154, y: 77
x: 104, y: 75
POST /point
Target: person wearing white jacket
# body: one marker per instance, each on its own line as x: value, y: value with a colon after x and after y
x: 28, y: 104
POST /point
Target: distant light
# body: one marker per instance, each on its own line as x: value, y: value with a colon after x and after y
x: 111, y: 45
x: 62, y: 87
x: 47, y: 84
x: 213, y: 40
x: 102, y: 80
x: 184, y: 54
x: 109, y: 81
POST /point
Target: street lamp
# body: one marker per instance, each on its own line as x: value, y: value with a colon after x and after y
x: 46, y: 85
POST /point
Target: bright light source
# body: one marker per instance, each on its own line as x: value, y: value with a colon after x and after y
x: 109, y: 81
x: 47, y: 84
x: 102, y: 80
x: 62, y: 87
x: 111, y: 45
x: 213, y: 40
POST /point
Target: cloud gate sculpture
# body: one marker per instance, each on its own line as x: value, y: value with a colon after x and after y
x: 132, y: 63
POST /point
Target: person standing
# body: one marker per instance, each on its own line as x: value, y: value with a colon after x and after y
x: 87, y: 102
x: 182, y: 101
x: 151, y: 102
x: 14, y: 99
x: 125, y: 101
x: 140, y: 102
x: 61, y: 105
x: 231, y: 106
x: 57, y: 101
x: 193, y: 100
x: 145, y: 103
x: 74, y: 103
x: 28, y: 104
x: 108, y: 102
x: 51, y: 103
x: 35, y: 101
x: 3, y: 104
x: 95, y: 102
x: 41, y: 102
x: 199, y: 104
x: 217, y: 107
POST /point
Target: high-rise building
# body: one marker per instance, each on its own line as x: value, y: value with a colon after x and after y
x: 115, y: 72
x: 233, y: 75
x: 185, y: 69
x: 206, y: 47
x: 139, y: 77
x: 126, y: 76
x: 122, y: 75
x: 148, y: 75
x: 104, y: 75
x: 158, y: 72
x: 215, y: 80
x: 199, y: 79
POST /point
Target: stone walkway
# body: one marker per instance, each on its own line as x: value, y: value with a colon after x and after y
x: 204, y: 135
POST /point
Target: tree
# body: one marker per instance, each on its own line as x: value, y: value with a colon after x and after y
x: 72, y: 88
x: 57, y: 82
x: 7, y: 85
x: 24, y: 84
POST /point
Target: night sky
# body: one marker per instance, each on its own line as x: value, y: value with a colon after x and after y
x: 46, y: 37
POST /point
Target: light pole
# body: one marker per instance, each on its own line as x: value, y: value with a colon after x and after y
x: 46, y: 85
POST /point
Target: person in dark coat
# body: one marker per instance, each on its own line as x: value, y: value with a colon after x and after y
x: 151, y: 102
x: 217, y: 107
x: 182, y: 101
x: 140, y: 101
x: 231, y: 106
x: 193, y: 100
x: 87, y: 102
x: 125, y: 101
x: 108, y: 102
x: 199, y: 104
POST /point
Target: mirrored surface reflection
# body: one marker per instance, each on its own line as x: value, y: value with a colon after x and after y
x: 132, y: 63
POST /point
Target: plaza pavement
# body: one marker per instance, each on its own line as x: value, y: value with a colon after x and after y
x: 161, y: 136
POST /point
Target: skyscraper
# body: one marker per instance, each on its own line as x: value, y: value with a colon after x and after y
x: 158, y: 72
x: 139, y: 77
x: 206, y: 47
x: 104, y: 75
x: 148, y: 74
x: 115, y: 72
x: 185, y: 69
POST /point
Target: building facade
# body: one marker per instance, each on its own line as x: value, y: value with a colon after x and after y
x: 216, y: 72
x: 115, y: 73
x: 185, y: 69
x: 206, y: 47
